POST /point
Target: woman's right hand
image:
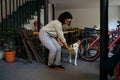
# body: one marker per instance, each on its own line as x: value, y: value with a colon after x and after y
x: 70, y: 49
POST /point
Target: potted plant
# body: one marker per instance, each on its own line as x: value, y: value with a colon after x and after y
x: 8, y: 39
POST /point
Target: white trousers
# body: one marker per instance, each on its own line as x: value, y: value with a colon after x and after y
x: 52, y: 45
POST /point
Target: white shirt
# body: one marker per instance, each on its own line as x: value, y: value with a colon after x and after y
x: 54, y: 28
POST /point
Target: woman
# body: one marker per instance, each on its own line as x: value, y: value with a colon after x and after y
x: 50, y: 35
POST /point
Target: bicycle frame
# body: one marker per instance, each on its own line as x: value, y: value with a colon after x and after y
x: 90, y: 47
x: 114, y: 41
x: 92, y: 44
x: 117, y: 32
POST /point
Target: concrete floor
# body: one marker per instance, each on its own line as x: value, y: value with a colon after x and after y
x: 22, y: 70
x: 19, y: 70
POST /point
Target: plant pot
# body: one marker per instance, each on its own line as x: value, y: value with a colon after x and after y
x: 10, y: 56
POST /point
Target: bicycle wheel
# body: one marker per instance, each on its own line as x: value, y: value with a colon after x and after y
x: 89, y: 54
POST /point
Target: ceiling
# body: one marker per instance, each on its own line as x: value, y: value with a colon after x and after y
x: 76, y: 4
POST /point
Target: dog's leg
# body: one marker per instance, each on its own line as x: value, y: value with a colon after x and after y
x: 70, y: 60
x: 75, y: 62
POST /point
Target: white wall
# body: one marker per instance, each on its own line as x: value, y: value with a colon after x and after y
x: 88, y: 17
x: 49, y: 14
x: 85, y: 17
x: 114, y: 15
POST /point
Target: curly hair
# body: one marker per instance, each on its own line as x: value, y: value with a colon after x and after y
x: 64, y: 16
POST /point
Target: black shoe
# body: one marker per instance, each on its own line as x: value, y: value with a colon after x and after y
x: 59, y: 67
x: 52, y: 67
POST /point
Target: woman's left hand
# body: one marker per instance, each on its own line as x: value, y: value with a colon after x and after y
x: 59, y: 41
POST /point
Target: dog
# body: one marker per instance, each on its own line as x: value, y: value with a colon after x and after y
x: 75, y: 47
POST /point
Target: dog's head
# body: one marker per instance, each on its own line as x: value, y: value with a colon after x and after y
x: 75, y: 46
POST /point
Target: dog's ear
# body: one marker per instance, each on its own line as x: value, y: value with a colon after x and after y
x: 78, y: 41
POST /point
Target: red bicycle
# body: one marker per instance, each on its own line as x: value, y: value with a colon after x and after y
x: 89, y: 48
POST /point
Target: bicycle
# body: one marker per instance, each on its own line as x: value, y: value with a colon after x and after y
x: 89, y: 48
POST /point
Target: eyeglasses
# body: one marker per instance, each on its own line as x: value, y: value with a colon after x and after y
x: 68, y: 20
